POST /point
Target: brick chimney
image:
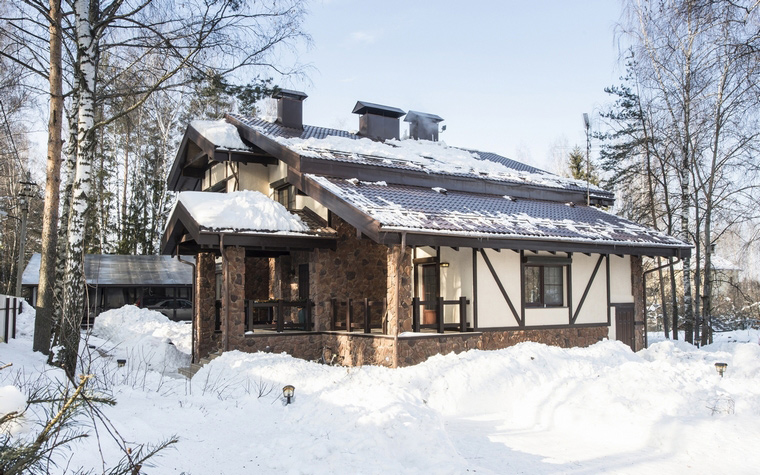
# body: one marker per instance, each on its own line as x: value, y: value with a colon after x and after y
x: 290, y: 108
x: 378, y: 122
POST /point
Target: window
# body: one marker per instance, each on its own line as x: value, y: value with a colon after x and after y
x: 543, y: 286
x: 286, y: 197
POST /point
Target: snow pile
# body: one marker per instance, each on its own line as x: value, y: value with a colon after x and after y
x: 436, y: 157
x: 529, y: 408
x: 149, y: 336
x: 12, y: 400
x: 240, y: 211
x: 220, y: 133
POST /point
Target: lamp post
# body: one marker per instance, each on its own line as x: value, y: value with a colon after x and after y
x: 587, y: 123
x: 23, y: 199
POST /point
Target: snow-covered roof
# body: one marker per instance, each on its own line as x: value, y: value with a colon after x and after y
x: 221, y: 133
x: 438, y: 211
x: 412, y: 155
x: 123, y: 270
x: 240, y: 211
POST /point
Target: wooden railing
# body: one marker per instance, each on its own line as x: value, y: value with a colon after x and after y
x: 439, y: 304
x: 274, y: 315
x: 344, y: 318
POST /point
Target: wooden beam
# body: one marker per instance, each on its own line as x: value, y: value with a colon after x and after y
x: 501, y: 287
x: 588, y: 288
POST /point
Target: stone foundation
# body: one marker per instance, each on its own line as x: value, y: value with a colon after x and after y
x: 358, y: 349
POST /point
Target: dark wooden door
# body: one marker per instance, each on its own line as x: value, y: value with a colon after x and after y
x: 624, y: 325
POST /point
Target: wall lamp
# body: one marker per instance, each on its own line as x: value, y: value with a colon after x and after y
x: 444, y: 264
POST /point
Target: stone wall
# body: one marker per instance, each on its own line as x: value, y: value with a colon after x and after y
x: 306, y: 346
x: 360, y: 349
x: 356, y: 269
x: 639, y: 303
x: 233, y: 297
x: 256, y: 278
x: 204, y: 339
x: 416, y: 349
x: 399, y: 285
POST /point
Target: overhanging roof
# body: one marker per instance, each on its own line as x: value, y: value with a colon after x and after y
x: 425, y: 216
x: 109, y: 270
x: 185, y: 236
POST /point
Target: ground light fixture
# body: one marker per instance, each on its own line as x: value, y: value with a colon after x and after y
x: 121, y: 363
x: 287, y: 393
x: 721, y: 368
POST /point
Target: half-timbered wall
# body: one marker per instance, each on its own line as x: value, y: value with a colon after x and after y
x: 594, y: 308
x: 493, y: 309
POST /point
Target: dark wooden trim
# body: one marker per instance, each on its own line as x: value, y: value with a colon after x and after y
x: 609, y: 299
x: 588, y: 288
x: 547, y: 261
x: 424, y: 260
x: 494, y: 242
x: 475, y: 289
x: 522, y: 285
x: 520, y: 321
x: 542, y: 327
x: 569, y: 272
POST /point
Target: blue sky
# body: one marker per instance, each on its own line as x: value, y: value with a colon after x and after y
x: 509, y: 77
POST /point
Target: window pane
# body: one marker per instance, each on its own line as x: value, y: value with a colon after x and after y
x: 532, y: 285
x: 553, y: 286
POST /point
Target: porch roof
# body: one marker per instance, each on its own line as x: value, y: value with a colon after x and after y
x: 435, y: 216
x: 203, y: 221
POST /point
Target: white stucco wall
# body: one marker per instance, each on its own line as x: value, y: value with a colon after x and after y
x: 254, y: 176
x: 493, y: 310
x: 456, y: 281
x: 594, y: 308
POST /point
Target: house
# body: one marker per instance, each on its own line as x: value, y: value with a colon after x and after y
x: 159, y: 282
x: 386, y: 251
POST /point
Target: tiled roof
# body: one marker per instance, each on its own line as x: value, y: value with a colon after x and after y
x: 274, y: 129
x: 425, y: 210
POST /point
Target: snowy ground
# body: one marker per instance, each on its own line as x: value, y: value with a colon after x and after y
x: 526, y: 409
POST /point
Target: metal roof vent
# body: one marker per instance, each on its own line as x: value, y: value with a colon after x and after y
x: 377, y: 121
x: 423, y: 126
x: 290, y: 108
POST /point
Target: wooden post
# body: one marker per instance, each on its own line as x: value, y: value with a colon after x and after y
x: 439, y: 313
x: 334, y: 311
x: 367, y: 326
x: 463, y: 314
x: 349, y: 314
x: 7, y: 317
x: 280, y: 316
x: 416, y: 314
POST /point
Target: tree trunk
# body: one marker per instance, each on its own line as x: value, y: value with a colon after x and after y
x: 74, y: 289
x: 43, y: 322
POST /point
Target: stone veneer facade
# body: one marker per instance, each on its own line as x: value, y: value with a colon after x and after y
x: 205, y: 340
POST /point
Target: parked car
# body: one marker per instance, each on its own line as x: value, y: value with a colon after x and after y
x: 179, y: 310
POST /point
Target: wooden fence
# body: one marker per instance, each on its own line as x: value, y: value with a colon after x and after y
x: 10, y: 307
